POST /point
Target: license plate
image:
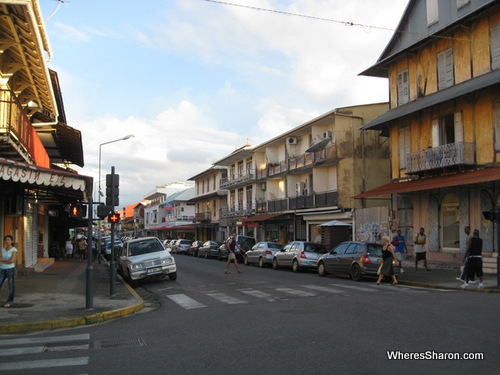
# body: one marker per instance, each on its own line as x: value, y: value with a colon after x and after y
x: 154, y: 270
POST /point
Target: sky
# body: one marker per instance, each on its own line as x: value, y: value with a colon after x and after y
x: 193, y: 80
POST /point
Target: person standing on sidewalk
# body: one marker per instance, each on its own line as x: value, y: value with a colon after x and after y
x: 8, y: 268
x: 474, y: 261
x: 231, y: 245
x: 69, y: 248
x: 400, y: 249
x: 463, y: 274
x: 420, y: 252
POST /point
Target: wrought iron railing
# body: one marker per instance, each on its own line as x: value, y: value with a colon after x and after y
x: 451, y: 154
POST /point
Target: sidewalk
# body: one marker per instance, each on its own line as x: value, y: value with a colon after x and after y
x: 56, y: 297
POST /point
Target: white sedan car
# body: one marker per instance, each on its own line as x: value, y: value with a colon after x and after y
x: 143, y: 258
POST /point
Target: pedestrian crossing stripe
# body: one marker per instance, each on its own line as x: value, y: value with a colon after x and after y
x: 44, y: 363
x: 296, y: 292
x: 186, y: 302
x: 224, y: 298
x: 259, y: 294
x: 325, y: 289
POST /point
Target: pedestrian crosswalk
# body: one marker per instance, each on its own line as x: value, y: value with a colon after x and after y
x: 12, y: 349
x: 197, y: 298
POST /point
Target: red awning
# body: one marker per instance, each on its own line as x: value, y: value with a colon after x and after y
x: 260, y: 218
x: 465, y: 178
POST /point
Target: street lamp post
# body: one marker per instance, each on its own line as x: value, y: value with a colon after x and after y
x: 112, y: 274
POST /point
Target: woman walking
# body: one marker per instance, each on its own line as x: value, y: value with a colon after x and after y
x: 69, y: 248
x: 8, y: 268
x: 388, y: 256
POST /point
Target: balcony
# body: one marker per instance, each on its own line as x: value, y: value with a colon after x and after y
x: 445, y: 156
x: 325, y: 156
x: 203, y: 217
x: 316, y: 200
x: 237, y: 211
x: 238, y: 180
x: 20, y: 140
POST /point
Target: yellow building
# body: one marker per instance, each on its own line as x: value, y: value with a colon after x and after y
x: 444, y: 122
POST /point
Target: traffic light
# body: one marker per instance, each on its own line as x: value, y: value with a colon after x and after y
x: 114, y: 218
x: 77, y: 211
x: 112, y: 190
x: 103, y: 211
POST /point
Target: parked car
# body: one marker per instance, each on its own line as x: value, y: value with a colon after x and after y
x: 262, y: 253
x: 181, y: 246
x: 209, y: 249
x: 245, y: 242
x: 193, y: 249
x: 106, y: 247
x: 353, y: 258
x: 144, y: 258
x: 299, y: 255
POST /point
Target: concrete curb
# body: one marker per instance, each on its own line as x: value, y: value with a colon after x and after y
x: 99, y: 317
x: 433, y: 286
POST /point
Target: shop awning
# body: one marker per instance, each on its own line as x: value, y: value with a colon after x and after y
x: 465, y: 178
x: 336, y: 223
x: 62, y: 186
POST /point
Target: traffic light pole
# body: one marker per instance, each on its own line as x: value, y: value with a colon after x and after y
x: 112, y: 263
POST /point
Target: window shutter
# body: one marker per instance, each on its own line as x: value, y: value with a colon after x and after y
x: 496, y: 109
x: 436, y: 139
x: 445, y: 69
x: 459, y: 127
x: 495, y: 47
x: 403, y: 89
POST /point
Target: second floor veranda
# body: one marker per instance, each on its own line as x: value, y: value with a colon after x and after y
x: 292, y: 164
x: 310, y: 201
x: 441, y: 157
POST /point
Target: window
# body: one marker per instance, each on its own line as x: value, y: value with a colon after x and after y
x: 432, y: 12
x: 495, y: 47
x: 403, y: 88
x: 240, y: 168
x: 445, y: 69
x: 249, y: 165
x: 404, y: 145
x: 447, y: 129
x: 462, y: 3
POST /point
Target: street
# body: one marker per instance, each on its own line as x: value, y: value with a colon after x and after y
x: 268, y: 321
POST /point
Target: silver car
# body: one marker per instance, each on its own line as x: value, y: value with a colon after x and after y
x: 262, y: 253
x: 144, y: 258
x: 299, y: 255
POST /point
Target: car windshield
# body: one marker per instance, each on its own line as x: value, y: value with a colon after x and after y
x: 375, y: 250
x: 315, y: 247
x: 145, y: 247
x: 274, y: 245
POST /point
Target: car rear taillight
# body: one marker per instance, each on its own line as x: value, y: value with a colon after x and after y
x: 302, y: 255
x: 269, y: 252
x: 366, y: 260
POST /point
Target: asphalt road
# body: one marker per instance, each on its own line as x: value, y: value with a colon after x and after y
x: 273, y: 322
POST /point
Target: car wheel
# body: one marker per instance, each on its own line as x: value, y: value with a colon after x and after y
x: 261, y: 262
x: 133, y: 283
x: 172, y: 276
x: 245, y: 260
x: 321, y: 269
x: 356, y: 273
x: 295, y: 266
x: 275, y: 264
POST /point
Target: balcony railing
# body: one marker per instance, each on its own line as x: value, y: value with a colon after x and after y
x: 306, y: 160
x: 449, y: 155
x: 316, y: 200
x: 242, y: 179
x: 203, y: 216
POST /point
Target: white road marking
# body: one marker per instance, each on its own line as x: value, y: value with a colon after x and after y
x: 45, y: 363
x: 296, y: 292
x: 186, y: 302
x: 224, y: 298
x: 259, y: 294
x: 325, y: 289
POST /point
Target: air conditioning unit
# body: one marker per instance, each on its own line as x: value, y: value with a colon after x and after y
x: 291, y: 140
x: 299, y: 188
x: 327, y: 134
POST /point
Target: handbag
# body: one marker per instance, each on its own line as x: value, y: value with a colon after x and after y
x: 380, y: 268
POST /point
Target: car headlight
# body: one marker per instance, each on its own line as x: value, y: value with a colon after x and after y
x: 167, y: 261
x: 136, y: 266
